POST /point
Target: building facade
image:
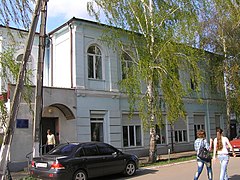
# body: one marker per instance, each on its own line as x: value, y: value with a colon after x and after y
x: 82, y: 100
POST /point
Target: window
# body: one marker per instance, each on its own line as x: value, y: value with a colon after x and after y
x: 20, y: 58
x: 90, y: 150
x: 199, y: 121
x: 105, y: 149
x: 97, y: 129
x: 180, y: 131
x: 126, y: 64
x: 193, y: 85
x: 180, y: 136
x: 63, y: 149
x: 161, y: 135
x: 132, y: 136
x: 79, y: 153
x: 217, y: 120
x: 94, y: 62
x: 198, y: 127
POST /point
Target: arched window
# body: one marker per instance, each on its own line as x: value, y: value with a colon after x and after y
x: 126, y: 64
x: 94, y: 56
x: 20, y: 57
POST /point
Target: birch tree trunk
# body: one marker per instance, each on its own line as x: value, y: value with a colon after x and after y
x: 226, y: 84
x: 152, y: 142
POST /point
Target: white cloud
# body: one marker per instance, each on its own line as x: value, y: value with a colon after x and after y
x: 68, y: 9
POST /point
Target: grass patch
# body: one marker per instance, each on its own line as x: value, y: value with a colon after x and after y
x: 166, y: 161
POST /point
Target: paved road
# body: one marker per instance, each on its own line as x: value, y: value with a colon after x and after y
x: 182, y: 171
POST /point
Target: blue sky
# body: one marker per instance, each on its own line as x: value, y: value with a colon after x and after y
x: 60, y: 11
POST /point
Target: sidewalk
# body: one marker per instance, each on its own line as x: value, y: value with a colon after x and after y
x: 20, y: 175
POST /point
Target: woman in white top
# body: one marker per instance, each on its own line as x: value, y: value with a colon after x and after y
x: 50, y: 140
x: 221, y: 145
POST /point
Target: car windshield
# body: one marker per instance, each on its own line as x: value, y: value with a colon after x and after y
x: 64, y: 150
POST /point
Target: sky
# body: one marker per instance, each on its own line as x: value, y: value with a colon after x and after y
x: 60, y: 11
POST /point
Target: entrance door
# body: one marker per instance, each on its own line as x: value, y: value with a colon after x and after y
x: 48, y: 123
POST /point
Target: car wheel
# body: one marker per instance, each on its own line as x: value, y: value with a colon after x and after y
x: 80, y: 175
x: 130, y: 169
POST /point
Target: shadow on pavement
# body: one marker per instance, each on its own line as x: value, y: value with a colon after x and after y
x: 139, y: 172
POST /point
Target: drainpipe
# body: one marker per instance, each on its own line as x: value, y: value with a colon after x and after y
x: 71, y: 53
x: 208, y: 121
x: 51, y: 61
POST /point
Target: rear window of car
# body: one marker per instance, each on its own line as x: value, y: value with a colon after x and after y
x: 63, y: 150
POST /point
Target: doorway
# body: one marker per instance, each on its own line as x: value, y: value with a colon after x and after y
x: 52, y: 124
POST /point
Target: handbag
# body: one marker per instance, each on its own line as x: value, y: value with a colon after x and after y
x: 203, y: 153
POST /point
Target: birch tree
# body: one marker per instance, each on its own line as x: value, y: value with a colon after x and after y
x: 155, y: 31
x: 16, y: 13
x: 221, y: 24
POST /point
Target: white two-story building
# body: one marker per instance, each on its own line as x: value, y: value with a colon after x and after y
x: 82, y: 100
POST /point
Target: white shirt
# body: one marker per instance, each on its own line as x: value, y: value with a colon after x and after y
x: 225, y: 143
x: 50, y: 139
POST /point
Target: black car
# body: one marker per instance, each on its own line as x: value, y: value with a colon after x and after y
x: 80, y: 161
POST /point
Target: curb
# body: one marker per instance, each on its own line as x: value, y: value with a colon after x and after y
x: 166, y: 165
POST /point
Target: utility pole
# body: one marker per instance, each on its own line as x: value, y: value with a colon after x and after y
x: 39, y: 86
x: 5, y: 149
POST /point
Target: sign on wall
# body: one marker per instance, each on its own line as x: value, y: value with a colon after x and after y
x: 22, y: 123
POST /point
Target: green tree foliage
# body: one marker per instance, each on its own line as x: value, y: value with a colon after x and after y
x: 152, y: 33
x: 221, y: 27
x: 16, y: 12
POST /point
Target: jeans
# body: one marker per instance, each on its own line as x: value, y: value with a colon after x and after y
x: 224, y: 159
x: 200, y: 164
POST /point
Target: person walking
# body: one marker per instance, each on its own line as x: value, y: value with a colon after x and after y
x: 50, y: 140
x: 220, y: 148
x: 201, y: 141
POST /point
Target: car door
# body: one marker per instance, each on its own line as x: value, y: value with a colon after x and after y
x: 93, y: 161
x: 113, y: 161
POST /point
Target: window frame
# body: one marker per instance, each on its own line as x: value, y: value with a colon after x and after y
x: 162, y: 136
x: 96, y: 63
x: 126, y: 64
x: 99, y: 120
x: 180, y: 136
x: 134, y: 134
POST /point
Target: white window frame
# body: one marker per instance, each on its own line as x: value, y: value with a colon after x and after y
x: 99, y: 120
x: 95, y: 68
x: 180, y: 134
x: 126, y: 63
x: 135, y: 135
